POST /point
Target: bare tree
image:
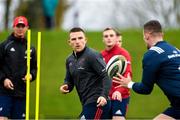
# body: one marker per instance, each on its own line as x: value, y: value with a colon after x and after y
x: 177, y: 10
x: 8, y: 2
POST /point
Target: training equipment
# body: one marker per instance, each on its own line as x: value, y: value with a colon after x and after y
x: 117, y: 64
x: 28, y: 76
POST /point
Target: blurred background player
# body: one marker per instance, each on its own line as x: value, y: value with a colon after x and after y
x: 119, y: 38
x: 161, y: 65
x: 49, y: 9
x: 85, y: 69
x: 119, y: 96
x: 13, y: 67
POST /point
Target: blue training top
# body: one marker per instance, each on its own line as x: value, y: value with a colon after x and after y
x: 161, y: 65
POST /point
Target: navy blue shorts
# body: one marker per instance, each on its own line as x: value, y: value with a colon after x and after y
x: 174, y: 110
x: 12, y: 107
x: 91, y: 111
x: 119, y: 108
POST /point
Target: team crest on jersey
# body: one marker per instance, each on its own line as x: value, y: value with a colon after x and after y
x: 26, y: 54
x: 81, y: 61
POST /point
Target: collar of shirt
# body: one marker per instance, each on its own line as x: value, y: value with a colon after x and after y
x: 113, y: 48
x: 78, y: 54
x: 22, y: 40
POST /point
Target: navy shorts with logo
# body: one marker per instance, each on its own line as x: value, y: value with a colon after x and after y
x: 12, y: 107
x: 119, y: 108
x: 91, y: 111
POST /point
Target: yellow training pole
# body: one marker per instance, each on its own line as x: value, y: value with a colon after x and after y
x: 38, y: 76
x: 28, y: 75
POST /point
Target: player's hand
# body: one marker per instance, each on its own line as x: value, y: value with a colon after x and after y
x: 117, y: 96
x: 25, y: 78
x: 8, y: 84
x: 64, y: 89
x: 122, y: 81
x: 101, y: 101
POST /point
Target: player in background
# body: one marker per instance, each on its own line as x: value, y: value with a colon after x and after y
x: 161, y: 65
x: 119, y: 38
x: 119, y: 96
x: 13, y: 68
x: 85, y: 69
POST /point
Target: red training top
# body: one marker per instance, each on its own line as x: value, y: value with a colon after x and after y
x: 107, y: 55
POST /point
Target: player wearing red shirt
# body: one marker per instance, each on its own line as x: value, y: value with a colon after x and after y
x: 119, y: 95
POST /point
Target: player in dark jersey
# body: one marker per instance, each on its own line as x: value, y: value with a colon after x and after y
x: 13, y: 68
x: 85, y: 69
x: 161, y: 65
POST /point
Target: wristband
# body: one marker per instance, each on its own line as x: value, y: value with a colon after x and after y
x: 130, y: 84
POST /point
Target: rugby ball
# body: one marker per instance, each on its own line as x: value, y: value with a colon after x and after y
x: 117, y: 64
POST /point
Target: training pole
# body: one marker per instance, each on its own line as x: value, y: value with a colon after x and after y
x: 28, y: 74
x: 38, y: 76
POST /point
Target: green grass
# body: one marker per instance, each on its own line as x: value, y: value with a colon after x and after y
x: 55, y: 49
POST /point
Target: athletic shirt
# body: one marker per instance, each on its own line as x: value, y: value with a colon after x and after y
x: 161, y: 65
x: 86, y: 70
x: 107, y: 55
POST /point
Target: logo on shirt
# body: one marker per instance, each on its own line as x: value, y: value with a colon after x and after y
x: 12, y: 49
x: 80, y: 68
x: 179, y: 67
x: 70, y: 64
x: 83, y: 118
x: 175, y: 52
x: 118, y: 112
x: 23, y: 115
x: 1, y: 108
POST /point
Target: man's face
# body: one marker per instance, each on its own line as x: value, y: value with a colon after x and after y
x: 77, y: 41
x: 109, y: 38
x: 119, y: 40
x: 20, y: 30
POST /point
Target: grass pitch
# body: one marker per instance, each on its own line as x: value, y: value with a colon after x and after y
x: 55, y: 49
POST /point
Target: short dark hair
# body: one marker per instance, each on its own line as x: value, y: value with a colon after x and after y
x: 109, y: 28
x: 118, y: 33
x: 153, y: 26
x: 76, y: 29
